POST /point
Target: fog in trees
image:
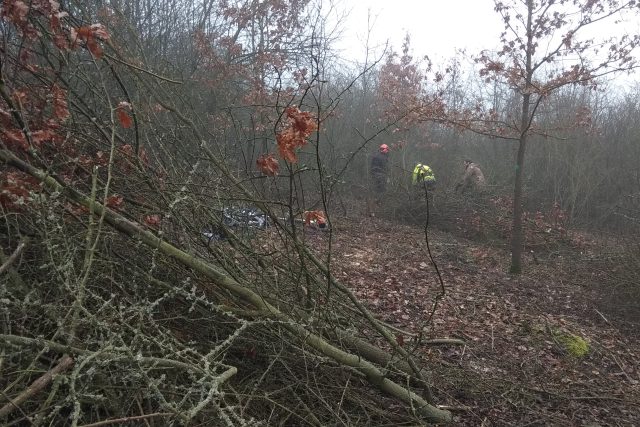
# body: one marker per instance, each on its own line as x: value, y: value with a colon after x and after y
x: 197, y: 230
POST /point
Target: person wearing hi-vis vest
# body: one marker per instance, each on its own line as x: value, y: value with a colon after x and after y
x: 422, y: 174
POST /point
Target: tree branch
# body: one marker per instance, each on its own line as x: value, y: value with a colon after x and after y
x: 374, y: 375
x: 128, y: 419
x: 11, y: 259
x: 38, y: 385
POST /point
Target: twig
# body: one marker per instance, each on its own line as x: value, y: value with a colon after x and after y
x: 115, y: 354
x: 464, y: 349
x: 142, y: 411
x: 24, y: 416
x: 443, y: 290
x: 152, y: 74
x: 5, y: 265
x: 617, y: 399
x: 37, y: 386
x: 444, y: 341
x: 374, y: 375
x: 461, y: 408
x: 601, y: 315
x: 562, y: 396
x: 492, y: 337
x: 128, y: 419
x: 631, y: 380
x: 302, y: 249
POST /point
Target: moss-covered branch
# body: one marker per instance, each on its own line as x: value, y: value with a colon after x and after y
x: 373, y: 374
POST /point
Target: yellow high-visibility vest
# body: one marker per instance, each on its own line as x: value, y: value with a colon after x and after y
x: 422, y: 173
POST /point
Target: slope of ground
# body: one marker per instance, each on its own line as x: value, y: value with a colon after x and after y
x: 538, y: 350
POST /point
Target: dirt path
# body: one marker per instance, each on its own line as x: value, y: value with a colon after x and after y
x: 523, y: 362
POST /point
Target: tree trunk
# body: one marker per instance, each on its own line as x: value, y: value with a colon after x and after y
x: 517, y: 234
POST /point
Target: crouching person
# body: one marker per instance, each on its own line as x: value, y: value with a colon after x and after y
x: 472, y: 180
x: 423, y: 177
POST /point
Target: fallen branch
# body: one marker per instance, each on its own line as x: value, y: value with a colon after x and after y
x: 562, y: 396
x: 602, y: 315
x: 384, y: 332
x: 461, y: 408
x: 115, y: 354
x: 444, y: 341
x: 128, y: 419
x: 12, y: 258
x: 37, y: 386
x: 374, y: 375
x: 623, y: 370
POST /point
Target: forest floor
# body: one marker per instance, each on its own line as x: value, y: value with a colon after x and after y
x: 544, y: 348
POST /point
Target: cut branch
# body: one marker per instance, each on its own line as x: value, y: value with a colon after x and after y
x: 128, y: 419
x: 114, y: 354
x: 13, y: 257
x: 374, y: 375
x: 37, y: 386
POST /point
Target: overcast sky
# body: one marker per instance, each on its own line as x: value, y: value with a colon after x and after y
x: 437, y: 27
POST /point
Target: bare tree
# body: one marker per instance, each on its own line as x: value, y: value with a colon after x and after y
x: 548, y: 44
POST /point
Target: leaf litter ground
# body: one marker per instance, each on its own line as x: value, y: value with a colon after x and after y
x: 515, y: 368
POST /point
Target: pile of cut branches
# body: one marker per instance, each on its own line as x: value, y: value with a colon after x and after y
x: 116, y: 307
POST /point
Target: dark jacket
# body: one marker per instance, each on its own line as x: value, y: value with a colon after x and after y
x: 379, y: 164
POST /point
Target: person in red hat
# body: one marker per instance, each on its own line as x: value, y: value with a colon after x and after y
x: 378, y: 172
